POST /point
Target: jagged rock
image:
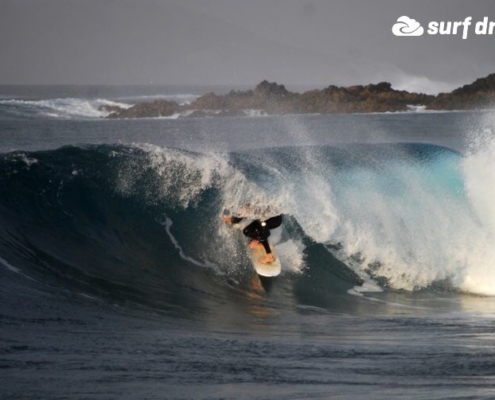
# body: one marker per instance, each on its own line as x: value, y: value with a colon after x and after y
x: 266, y: 88
x: 477, y: 95
x: 371, y: 98
x: 380, y: 87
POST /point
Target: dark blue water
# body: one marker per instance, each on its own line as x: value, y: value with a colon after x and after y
x: 118, y: 278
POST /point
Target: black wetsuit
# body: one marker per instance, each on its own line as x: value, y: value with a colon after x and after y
x: 260, y: 230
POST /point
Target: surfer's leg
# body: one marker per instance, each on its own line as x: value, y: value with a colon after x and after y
x: 269, y: 257
x: 264, y: 243
x: 256, y: 283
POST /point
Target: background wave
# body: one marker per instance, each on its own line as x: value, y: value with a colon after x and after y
x: 57, y: 108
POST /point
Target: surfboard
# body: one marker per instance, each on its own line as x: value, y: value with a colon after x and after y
x: 269, y: 269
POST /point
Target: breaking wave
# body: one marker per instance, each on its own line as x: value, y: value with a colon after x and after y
x: 141, y: 222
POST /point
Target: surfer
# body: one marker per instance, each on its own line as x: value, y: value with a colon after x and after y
x: 258, y: 231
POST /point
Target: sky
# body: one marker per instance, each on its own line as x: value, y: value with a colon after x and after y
x: 299, y: 43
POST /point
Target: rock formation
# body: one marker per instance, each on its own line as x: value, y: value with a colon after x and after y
x: 272, y: 98
x: 478, y: 95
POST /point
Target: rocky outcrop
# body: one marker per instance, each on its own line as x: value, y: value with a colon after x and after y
x: 370, y: 98
x: 272, y: 98
x: 478, y: 95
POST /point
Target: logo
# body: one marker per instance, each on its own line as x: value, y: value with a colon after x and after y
x: 406, y: 26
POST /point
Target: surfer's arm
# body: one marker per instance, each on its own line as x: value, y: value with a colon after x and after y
x: 231, y: 220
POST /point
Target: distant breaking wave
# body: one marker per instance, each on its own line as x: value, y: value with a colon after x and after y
x: 57, y: 108
x: 79, y: 108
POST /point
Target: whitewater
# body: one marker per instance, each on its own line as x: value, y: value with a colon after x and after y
x: 119, y: 279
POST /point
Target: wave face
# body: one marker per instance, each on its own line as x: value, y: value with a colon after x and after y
x: 141, y: 223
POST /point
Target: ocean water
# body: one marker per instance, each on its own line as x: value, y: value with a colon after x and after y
x: 118, y: 278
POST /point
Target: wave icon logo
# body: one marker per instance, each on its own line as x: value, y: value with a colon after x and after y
x: 406, y: 26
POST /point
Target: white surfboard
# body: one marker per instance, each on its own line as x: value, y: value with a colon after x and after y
x: 269, y: 269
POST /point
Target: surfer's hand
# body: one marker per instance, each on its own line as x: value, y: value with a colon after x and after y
x: 226, y: 219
